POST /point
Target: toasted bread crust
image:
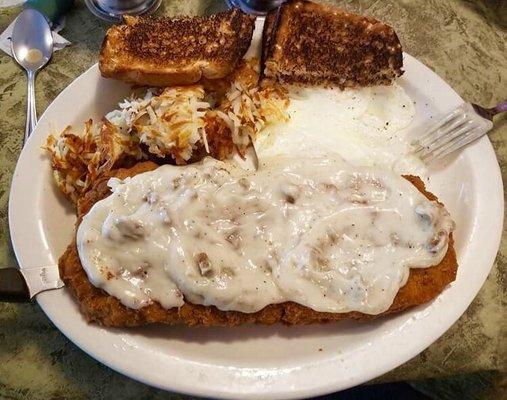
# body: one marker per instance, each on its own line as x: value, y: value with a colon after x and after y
x: 98, y: 306
x: 313, y: 44
x: 267, y: 35
x: 175, y: 51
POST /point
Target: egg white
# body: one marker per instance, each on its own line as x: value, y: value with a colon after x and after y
x: 365, y: 126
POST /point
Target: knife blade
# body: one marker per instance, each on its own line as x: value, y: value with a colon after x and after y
x: 22, y: 284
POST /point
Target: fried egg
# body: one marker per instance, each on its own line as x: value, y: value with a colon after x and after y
x: 365, y: 126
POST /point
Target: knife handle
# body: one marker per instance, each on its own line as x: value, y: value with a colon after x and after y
x: 13, y: 287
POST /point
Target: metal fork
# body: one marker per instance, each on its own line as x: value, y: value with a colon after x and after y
x: 464, y: 125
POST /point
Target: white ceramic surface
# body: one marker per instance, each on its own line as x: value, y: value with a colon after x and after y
x: 254, y: 361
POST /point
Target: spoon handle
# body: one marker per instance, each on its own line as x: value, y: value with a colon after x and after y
x: 31, y: 113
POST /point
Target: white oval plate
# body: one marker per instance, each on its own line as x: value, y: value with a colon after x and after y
x: 254, y: 361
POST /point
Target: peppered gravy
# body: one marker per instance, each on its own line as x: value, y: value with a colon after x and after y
x: 315, y: 231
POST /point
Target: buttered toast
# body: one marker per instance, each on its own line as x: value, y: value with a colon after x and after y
x: 314, y: 44
x: 175, y: 51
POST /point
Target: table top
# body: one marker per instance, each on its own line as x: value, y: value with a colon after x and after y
x: 463, y: 42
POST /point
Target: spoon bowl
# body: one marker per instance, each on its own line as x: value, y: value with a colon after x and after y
x: 32, y: 47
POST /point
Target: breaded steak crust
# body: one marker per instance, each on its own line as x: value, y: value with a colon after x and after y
x: 422, y: 286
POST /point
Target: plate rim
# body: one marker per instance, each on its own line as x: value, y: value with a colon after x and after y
x: 194, y: 389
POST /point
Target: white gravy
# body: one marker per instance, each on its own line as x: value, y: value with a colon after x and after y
x: 315, y: 231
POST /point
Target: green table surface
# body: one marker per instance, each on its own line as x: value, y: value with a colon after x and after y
x: 462, y: 41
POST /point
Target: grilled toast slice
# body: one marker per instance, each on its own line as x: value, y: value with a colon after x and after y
x: 314, y: 44
x: 175, y: 51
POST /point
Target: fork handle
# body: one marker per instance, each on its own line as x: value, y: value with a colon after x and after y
x: 501, y: 107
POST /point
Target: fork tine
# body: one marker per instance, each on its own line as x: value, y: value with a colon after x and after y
x: 458, y: 129
x: 429, y: 141
x: 448, y: 136
x: 447, y: 119
x: 471, y: 136
x: 458, y: 142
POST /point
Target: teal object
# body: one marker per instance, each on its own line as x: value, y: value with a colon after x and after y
x: 53, y: 9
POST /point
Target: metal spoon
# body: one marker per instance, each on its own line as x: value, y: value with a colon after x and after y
x: 32, y: 46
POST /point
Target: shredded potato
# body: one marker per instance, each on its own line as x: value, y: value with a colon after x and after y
x: 173, y: 122
x: 248, y: 109
x: 179, y: 124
